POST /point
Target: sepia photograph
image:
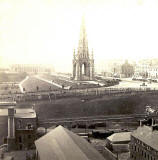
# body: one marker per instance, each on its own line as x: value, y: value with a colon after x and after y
x: 78, y: 79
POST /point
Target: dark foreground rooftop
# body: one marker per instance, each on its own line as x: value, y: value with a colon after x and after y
x: 63, y: 144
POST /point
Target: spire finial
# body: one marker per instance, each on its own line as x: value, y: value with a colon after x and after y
x: 92, y: 54
x: 74, y: 55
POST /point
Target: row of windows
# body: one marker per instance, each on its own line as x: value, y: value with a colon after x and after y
x: 141, y: 153
x: 20, y: 139
x: 137, y: 141
x: 145, y: 147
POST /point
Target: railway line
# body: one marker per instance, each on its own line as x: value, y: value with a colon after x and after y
x: 95, y: 119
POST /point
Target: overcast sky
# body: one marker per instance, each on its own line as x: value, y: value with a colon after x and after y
x: 47, y: 31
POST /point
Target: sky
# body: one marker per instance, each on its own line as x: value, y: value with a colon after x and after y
x: 47, y: 31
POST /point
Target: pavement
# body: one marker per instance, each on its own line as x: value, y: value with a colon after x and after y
x: 20, y: 84
x: 123, y: 84
x: 129, y: 83
x: 95, y: 82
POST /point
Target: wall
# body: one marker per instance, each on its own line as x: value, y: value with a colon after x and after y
x: 3, y: 128
x: 108, y: 154
x: 119, y: 148
x: 139, y: 150
x: 25, y: 137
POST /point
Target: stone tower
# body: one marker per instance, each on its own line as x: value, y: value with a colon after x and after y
x: 83, y: 62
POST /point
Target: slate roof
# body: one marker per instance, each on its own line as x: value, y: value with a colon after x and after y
x: 20, y: 112
x: 147, y: 135
x: 62, y: 144
x: 120, y: 137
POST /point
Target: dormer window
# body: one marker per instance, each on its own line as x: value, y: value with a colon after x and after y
x: 29, y: 126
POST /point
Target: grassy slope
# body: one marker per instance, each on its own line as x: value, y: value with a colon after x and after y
x: 73, y: 107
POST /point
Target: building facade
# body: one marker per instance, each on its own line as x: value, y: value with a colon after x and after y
x: 127, y: 70
x: 32, y: 68
x: 144, y: 143
x: 141, y: 70
x: 22, y: 125
x: 83, y: 62
x: 119, y: 142
x: 147, y: 71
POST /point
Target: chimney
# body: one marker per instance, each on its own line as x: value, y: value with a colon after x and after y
x: 140, y: 123
x: 11, y: 125
x: 155, y: 127
x: 11, y: 129
x: 153, y: 122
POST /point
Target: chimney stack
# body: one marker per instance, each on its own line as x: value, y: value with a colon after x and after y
x: 155, y: 127
x: 11, y: 125
x: 11, y: 129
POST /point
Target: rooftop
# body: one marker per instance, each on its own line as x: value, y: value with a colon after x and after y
x: 63, y: 144
x: 147, y: 135
x: 7, y: 103
x: 120, y: 137
x: 20, y: 112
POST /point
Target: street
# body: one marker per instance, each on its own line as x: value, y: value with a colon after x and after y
x: 129, y: 83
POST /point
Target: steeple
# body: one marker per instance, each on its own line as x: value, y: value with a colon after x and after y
x: 83, y: 64
x: 92, y: 55
x: 74, y: 53
x: 83, y: 42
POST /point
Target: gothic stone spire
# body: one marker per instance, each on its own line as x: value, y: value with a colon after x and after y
x: 83, y: 64
x: 83, y: 42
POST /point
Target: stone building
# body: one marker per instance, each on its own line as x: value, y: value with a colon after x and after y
x: 147, y: 71
x: 119, y: 142
x: 20, y: 128
x: 25, y: 128
x: 83, y: 62
x: 32, y: 68
x: 144, y: 143
x: 127, y: 70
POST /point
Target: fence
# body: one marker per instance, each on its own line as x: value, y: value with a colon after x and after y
x: 83, y: 93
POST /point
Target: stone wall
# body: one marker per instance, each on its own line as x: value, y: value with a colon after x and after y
x: 108, y: 154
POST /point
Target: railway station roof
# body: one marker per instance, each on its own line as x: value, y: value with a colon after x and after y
x: 63, y: 144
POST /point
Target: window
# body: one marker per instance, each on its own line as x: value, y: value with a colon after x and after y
x: 29, y: 126
x: 29, y: 136
x: 20, y: 147
x: 148, y: 148
x: 29, y: 145
x: 20, y: 123
x: 20, y: 139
